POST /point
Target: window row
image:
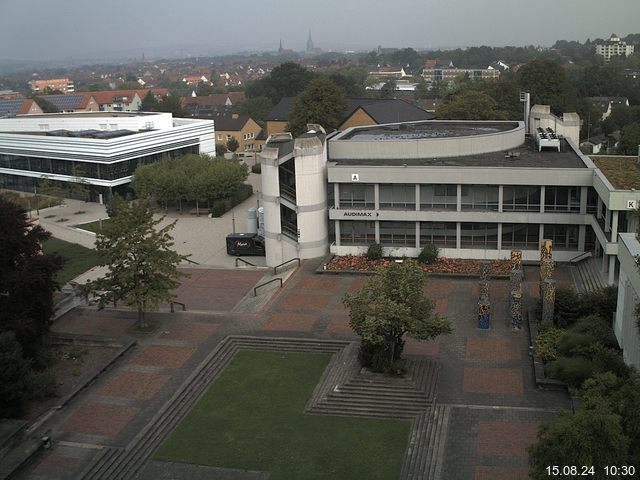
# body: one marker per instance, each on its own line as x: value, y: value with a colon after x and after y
x: 444, y: 234
x: 473, y: 197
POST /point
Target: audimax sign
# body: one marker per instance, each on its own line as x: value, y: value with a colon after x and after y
x: 363, y: 214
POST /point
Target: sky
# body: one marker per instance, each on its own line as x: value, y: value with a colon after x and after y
x: 59, y: 29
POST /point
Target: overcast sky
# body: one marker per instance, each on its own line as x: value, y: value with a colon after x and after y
x: 53, y: 29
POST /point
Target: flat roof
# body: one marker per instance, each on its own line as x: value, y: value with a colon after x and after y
x: 425, y: 130
x: 622, y: 172
x: 525, y: 156
x: 87, y: 114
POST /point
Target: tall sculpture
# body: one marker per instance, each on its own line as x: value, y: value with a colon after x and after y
x: 484, y: 305
x: 548, y: 301
x: 516, y: 259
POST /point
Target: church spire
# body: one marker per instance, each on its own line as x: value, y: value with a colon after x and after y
x: 309, y: 43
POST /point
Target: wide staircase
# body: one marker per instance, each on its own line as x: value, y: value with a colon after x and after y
x: 589, y: 277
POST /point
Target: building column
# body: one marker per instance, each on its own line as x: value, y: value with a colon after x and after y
x: 377, y: 231
x: 418, y: 235
x: 584, y: 192
x: 614, y: 226
x: 500, y: 200
x: 417, y: 197
x: 540, y: 235
x: 336, y: 195
x: 599, y: 210
x: 582, y: 235
x: 605, y: 257
x: 500, y: 229
x: 607, y: 221
x: 376, y: 197
x: 337, y: 231
x: 612, y: 269
x: 458, y: 232
x: 542, y: 195
x: 458, y: 199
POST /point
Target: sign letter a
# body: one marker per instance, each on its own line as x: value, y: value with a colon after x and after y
x: 355, y: 177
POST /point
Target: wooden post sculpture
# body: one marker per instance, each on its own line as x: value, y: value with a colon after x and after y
x: 548, y: 301
x: 485, y: 271
x: 516, y: 309
x: 516, y: 259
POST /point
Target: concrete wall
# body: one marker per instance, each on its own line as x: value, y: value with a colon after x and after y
x: 628, y: 297
x: 85, y: 121
x: 567, y: 126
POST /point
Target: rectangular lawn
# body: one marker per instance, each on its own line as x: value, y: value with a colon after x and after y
x: 253, y: 418
x: 77, y: 259
x: 95, y: 226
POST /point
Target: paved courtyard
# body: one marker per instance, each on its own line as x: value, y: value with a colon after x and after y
x: 486, y: 376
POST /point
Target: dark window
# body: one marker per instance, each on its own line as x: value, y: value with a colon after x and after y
x: 480, y: 197
x: 564, y: 237
x: 438, y: 197
x: 562, y: 199
x: 440, y: 234
x: 479, y: 235
x: 520, y: 198
x: 356, y: 196
x: 520, y: 235
x: 398, y: 234
x: 398, y: 196
x: 357, y: 233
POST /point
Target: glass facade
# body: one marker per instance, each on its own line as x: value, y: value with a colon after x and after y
x: 562, y: 199
x: 398, y: 234
x: 521, y: 235
x: 516, y: 198
x: 438, y: 197
x: 565, y: 237
x: 442, y: 235
x: 398, y: 196
x: 357, y: 196
x: 479, y: 235
x: 357, y: 233
x: 480, y: 197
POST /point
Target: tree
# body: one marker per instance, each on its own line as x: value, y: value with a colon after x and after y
x: 391, y: 305
x: 232, y: 144
x: 389, y: 88
x: 257, y: 108
x: 286, y: 80
x: 422, y: 89
x: 13, y: 375
x: 149, y: 103
x: 471, y: 105
x: 26, y: 277
x: 142, y: 266
x: 322, y: 102
x: 353, y: 79
x: 45, y: 105
x: 548, y: 84
x: 630, y: 139
x: 591, y: 437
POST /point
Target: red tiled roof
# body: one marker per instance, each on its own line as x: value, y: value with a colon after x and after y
x: 115, y: 96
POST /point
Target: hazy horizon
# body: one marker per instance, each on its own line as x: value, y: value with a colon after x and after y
x: 38, y: 30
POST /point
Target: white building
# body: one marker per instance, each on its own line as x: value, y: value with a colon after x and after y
x: 102, y: 148
x: 625, y: 325
x: 614, y: 47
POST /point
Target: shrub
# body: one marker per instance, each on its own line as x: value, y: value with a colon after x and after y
x: 610, y: 360
x: 602, y: 303
x: 256, y: 168
x: 598, y: 327
x: 571, y: 370
x: 567, y: 307
x: 428, y: 254
x: 374, y: 252
x: 15, y: 368
x: 40, y: 384
x: 575, y: 343
x: 547, y: 343
x: 223, y: 205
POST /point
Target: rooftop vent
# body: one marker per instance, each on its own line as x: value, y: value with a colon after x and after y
x: 547, y: 138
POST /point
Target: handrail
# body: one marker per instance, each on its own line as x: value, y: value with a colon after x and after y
x: 577, y: 257
x: 191, y: 261
x: 255, y: 290
x: 243, y: 261
x: 275, y: 269
x: 184, y: 307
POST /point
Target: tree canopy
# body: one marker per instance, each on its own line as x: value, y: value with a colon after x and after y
x: 392, y: 304
x: 630, y: 139
x: 548, y: 84
x: 26, y: 277
x: 286, y: 80
x: 322, y: 102
x: 141, y: 262
x: 471, y: 105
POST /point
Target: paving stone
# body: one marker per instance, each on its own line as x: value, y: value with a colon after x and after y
x: 163, y: 356
x: 501, y: 473
x: 305, y: 302
x: 493, y: 381
x: 493, y: 349
x: 137, y: 385
x: 429, y: 348
x: 100, y: 419
x: 503, y: 438
x: 294, y: 322
x: 339, y: 324
x: 188, y: 331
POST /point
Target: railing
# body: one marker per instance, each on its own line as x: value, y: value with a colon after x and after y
x: 275, y: 269
x: 238, y: 259
x: 255, y: 290
x: 171, y: 306
x: 190, y: 261
x: 290, y: 230
x: 287, y: 192
x: 581, y: 256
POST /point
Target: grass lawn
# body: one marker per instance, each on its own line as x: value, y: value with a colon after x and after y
x: 78, y: 259
x: 252, y: 418
x: 93, y: 226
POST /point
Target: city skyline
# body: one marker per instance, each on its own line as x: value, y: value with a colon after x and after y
x: 37, y: 30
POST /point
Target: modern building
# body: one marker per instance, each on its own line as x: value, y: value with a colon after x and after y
x: 475, y: 189
x: 614, y: 47
x: 452, y: 73
x: 102, y: 150
x: 626, y: 325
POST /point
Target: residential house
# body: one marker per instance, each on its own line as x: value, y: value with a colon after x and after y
x: 195, y: 79
x: 390, y: 72
x: 10, y: 95
x: 606, y: 104
x: 241, y: 127
x: 75, y: 102
x: 360, y: 112
x: 19, y: 106
x: 125, y: 100
x: 210, y: 105
x: 614, y: 47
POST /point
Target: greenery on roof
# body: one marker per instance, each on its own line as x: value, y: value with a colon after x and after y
x: 622, y: 172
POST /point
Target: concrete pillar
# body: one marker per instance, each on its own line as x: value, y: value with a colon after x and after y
x: 500, y: 201
x: 540, y: 235
x: 417, y: 197
x: 542, y: 194
x: 614, y: 226
x: 605, y: 257
x: 582, y: 235
x: 270, y: 178
x: 599, y: 208
x: 607, y: 221
x: 336, y: 195
x: 376, y: 196
x: 612, y: 269
x: 377, y: 231
x: 584, y: 192
x: 417, y: 234
x: 337, y: 230
x: 500, y: 235
x: 458, y: 232
x: 459, y: 199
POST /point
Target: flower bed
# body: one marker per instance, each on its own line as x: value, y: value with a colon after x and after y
x: 359, y: 263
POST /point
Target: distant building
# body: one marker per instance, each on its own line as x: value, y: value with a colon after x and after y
x: 10, y: 95
x: 194, y: 79
x: 76, y: 102
x: 62, y: 84
x: 210, y: 105
x: 389, y: 72
x: 452, y: 73
x: 241, y: 127
x: 614, y: 47
x: 125, y: 100
x: 19, y: 106
x: 607, y: 104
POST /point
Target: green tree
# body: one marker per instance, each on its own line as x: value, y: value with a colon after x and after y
x: 630, y: 139
x: 13, y: 376
x: 591, y: 436
x: 322, y: 102
x: 471, y: 105
x: 257, y: 108
x: 26, y: 277
x: 141, y: 262
x: 548, y: 84
x: 232, y: 144
x: 353, y: 79
x: 391, y: 305
x: 389, y: 88
x: 149, y: 103
x: 286, y: 80
x: 422, y: 89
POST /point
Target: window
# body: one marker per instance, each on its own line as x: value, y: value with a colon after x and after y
x: 480, y: 197
x: 220, y: 137
x: 479, y: 235
x: 398, y: 234
x: 565, y: 237
x: 521, y: 198
x: 398, y: 196
x: 520, y: 235
x: 228, y: 137
x: 438, y: 197
x: 440, y: 234
x: 356, y: 196
x: 357, y: 233
x: 562, y: 199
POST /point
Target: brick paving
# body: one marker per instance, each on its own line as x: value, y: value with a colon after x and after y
x: 485, y: 376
